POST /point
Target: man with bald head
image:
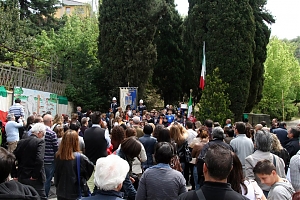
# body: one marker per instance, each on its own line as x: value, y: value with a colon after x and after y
x: 50, y: 150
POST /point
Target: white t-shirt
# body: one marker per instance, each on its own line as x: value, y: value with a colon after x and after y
x: 252, y: 188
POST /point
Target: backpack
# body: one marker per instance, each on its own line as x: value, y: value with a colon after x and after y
x: 184, y: 152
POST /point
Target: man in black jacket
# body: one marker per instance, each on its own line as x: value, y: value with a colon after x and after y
x: 12, y: 189
x: 96, y: 140
x: 217, y: 166
x: 292, y: 145
x: 30, y: 158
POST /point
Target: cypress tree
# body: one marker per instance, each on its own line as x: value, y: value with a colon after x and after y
x: 228, y: 28
x: 261, y: 39
x: 168, y: 72
x: 126, y: 47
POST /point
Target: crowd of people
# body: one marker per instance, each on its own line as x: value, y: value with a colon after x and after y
x: 140, y: 154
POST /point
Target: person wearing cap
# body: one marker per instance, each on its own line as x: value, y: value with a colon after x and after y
x: 114, y: 105
x: 136, y: 125
x: 141, y: 107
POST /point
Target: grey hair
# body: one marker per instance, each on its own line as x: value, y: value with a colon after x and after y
x: 263, y: 140
x: 38, y: 127
x: 218, y: 132
x: 10, y: 116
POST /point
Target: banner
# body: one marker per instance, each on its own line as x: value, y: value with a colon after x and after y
x: 128, y: 96
x: 36, y: 101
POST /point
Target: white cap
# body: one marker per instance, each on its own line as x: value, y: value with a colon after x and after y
x: 114, y: 99
x: 141, y: 101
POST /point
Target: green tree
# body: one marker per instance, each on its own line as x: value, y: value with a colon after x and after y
x: 126, y: 47
x: 214, y: 103
x: 168, y: 72
x: 296, y: 41
x: 261, y: 39
x: 73, y: 51
x: 228, y: 28
x: 282, y: 73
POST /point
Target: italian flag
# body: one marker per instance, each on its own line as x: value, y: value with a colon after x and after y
x: 203, y: 71
x: 190, y: 107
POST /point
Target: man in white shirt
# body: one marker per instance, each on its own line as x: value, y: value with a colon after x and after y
x: 242, y: 145
x: 191, y: 133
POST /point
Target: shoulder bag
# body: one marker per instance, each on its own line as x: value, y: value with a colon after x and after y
x: 83, y: 188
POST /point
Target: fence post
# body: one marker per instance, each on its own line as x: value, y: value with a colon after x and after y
x: 20, y: 84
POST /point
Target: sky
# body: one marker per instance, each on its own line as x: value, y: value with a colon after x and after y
x: 286, y: 13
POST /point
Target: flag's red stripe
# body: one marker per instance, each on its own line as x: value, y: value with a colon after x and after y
x: 201, y: 85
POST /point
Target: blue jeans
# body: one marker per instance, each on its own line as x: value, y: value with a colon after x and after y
x: 49, y: 170
x: 195, y: 174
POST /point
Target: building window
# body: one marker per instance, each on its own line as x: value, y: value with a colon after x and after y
x: 80, y: 10
x: 68, y: 10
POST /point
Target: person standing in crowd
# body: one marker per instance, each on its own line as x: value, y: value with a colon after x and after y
x: 263, y: 143
x: 191, y: 133
x: 17, y: 109
x: 247, y: 188
x: 50, y: 150
x: 242, y: 145
x: 96, y: 141
x: 161, y: 181
x: 149, y: 143
x: 281, y: 152
x: 57, y: 121
x: 281, y: 133
x: 209, y: 126
x: 295, y: 171
x: 280, y: 188
x: 79, y: 113
x: 109, y: 178
x: 12, y: 131
x: 30, y: 154
x: 218, y: 138
x: 215, y: 185
x: 114, y: 105
x: 84, y: 126
x: 130, y: 148
x: 141, y: 107
x: 292, y: 144
x: 13, y: 189
x: 136, y: 125
x: 66, y: 177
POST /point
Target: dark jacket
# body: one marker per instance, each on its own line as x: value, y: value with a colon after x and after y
x: 30, y: 156
x: 106, y: 195
x: 149, y: 144
x: 292, y: 146
x: 95, y: 143
x: 202, y: 155
x: 65, y: 177
x: 127, y: 187
x: 16, y: 190
x: 213, y: 191
x: 282, y: 135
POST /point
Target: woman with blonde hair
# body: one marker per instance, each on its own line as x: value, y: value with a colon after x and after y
x: 65, y: 178
x: 278, y: 150
x: 57, y: 121
x: 182, y: 149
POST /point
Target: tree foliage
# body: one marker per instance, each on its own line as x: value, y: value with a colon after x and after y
x: 228, y: 28
x: 214, y: 103
x: 126, y: 47
x: 73, y: 51
x: 168, y: 71
x: 296, y: 41
x: 282, y: 73
x: 261, y: 39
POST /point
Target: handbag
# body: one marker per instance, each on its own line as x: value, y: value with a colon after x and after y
x: 184, y: 152
x: 175, y: 163
x: 83, y: 188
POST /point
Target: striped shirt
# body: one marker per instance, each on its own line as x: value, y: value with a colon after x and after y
x: 51, y: 146
x: 295, y: 171
x: 17, y: 109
